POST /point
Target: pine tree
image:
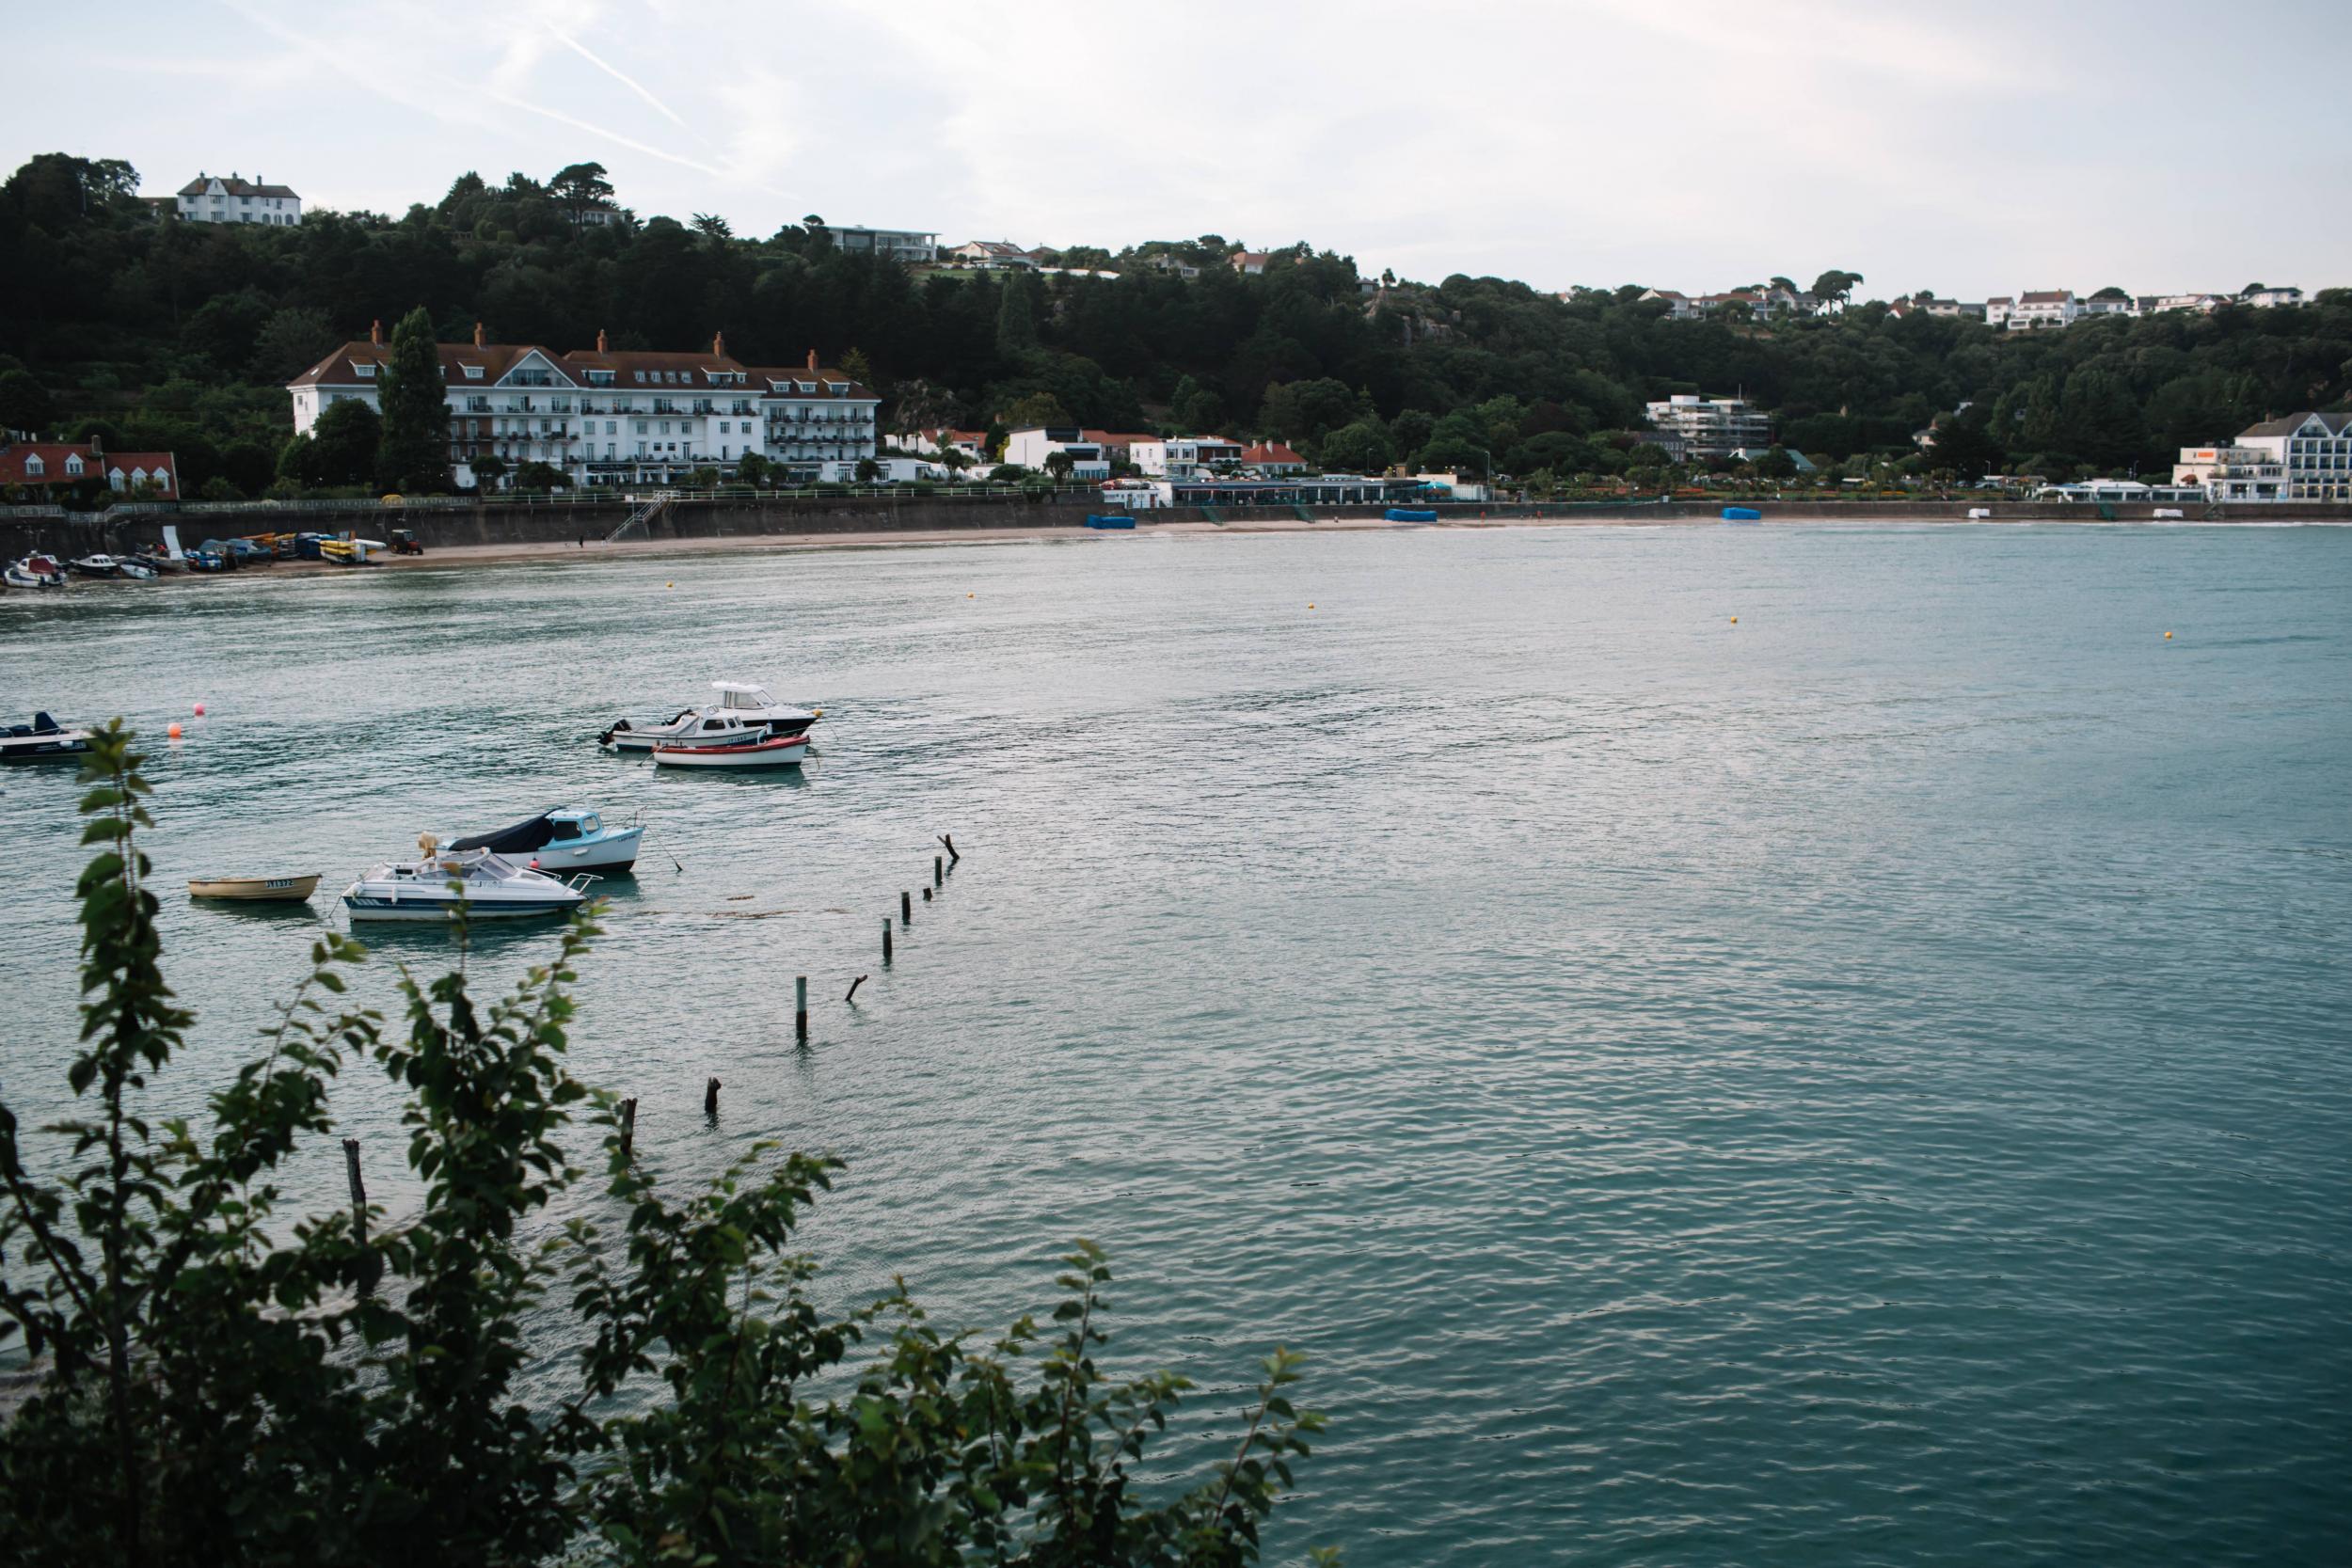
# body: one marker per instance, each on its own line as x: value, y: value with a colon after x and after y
x: 1016, y: 317
x: 414, y: 456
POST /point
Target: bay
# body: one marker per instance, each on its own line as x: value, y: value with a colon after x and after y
x: 1860, y: 1083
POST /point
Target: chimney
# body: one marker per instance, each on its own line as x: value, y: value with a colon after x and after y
x: 375, y: 332
x: 600, y: 348
x: 717, y: 345
x: 477, y: 335
x: 812, y: 359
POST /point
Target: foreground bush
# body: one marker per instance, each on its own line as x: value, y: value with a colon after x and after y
x: 224, y: 1382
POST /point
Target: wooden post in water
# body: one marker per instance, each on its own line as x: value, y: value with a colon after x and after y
x: 854, y: 986
x: 358, y: 1207
x: 939, y: 869
x: 950, y: 840
x: 927, y: 896
x: 710, y: 1098
x: 906, y: 908
x: 800, y: 1008
x: 628, y: 1126
x: 885, y: 939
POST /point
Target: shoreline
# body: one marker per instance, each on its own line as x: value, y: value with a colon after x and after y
x: 523, y: 552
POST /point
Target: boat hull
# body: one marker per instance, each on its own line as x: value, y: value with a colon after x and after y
x: 782, y: 752
x: 418, y: 909
x: 290, y: 890
x: 43, y: 748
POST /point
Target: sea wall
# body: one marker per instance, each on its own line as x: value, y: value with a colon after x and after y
x: 23, y: 529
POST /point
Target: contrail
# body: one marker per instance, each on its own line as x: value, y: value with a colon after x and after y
x: 630, y: 82
x: 635, y: 146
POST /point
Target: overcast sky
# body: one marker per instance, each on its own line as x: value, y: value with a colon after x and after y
x: 1976, y: 146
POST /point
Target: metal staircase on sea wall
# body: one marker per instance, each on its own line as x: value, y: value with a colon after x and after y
x: 641, y: 518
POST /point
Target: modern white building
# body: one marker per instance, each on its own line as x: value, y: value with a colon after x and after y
x: 211, y: 199
x: 2036, y: 307
x: 2313, y: 450
x: 2232, y: 474
x: 937, y: 440
x: 1032, y: 445
x: 1712, y: 427
x: 607, y: 417
x: 1183, y: 456
x: 2262, y: 299
x: 896, y: 245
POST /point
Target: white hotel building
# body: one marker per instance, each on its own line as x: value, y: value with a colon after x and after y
x: 210, y: 199
x: 607, y: 417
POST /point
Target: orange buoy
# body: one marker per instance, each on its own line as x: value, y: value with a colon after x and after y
x: 172, y: 729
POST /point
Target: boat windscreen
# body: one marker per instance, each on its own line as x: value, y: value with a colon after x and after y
x: 533, y: 832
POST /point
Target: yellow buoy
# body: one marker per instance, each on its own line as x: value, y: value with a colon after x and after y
x: 2168, y: 637
x: 1310, y: 607
x: 669, y: 585
x: 1735, y: 620
x: 967, y: 596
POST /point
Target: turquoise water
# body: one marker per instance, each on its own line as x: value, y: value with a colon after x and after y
x: 1867, y: 1084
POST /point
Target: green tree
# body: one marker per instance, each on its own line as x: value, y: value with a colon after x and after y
x: 414, y: 456
x: 24, y: 403
x: 291, y: 342
x: 1036, y: 410
x: 1362, y: 447
x: 541, y: 476
x: 1016, y: 315
x: 487, y: 470
x: 868, y: 471
x: 1059, y: 464
x: 752, y: 468
x: 579, y: 187
x: 345, y: 443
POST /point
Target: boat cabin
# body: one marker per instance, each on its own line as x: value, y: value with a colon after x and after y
x: 742, y: 697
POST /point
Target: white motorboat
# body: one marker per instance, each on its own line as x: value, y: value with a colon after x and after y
x: 43, y: 740
x: 562, y: 840
x: 740, y: 704
x: 774, y: 751
x: 35, y: 571
x: 98, y: 565
x: 134, y: 568
x: 490, y: 886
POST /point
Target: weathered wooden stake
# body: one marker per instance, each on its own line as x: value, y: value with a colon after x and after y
x: 799, y: 1008
x: 359, y: 1210
x: 939, y: 869
x: 628, y: 1126
x: 710, y: 1098
x: 927, y: 896
x: 950, y: 840
x: 854, y: 986
x: 885, y: 939
x: 906, y: 908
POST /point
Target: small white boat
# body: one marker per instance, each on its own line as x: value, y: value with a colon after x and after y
x: 739, y: 704
x: 775, y: 750
x: 35, y: 571
x: 259, y: 889
x: 490, y: 886
x: 562, y: 840
x: 136, y: 570
x: 95, y: 565
x: 43, y: 740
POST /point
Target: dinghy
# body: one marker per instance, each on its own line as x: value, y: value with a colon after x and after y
x: 780, y: 750
x: 260, y: 890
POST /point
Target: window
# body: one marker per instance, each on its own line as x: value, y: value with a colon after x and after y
x: 641, y: 377
x: 34, y: 465
x: 641, y: 430
x: 365, y: 370
x: 473, y: 373
x: 74, y: 463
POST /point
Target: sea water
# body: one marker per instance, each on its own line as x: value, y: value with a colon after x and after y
x: 1805, y: 1044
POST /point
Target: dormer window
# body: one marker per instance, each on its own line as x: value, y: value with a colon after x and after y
x: 365, y: 370
x: 74, y: 463
x: 473, y: 373
x: 641, y: 377
x: 34, y: 465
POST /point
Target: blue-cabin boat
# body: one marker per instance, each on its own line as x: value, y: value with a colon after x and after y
x: 1409, y: 515
x: 1096, y: 519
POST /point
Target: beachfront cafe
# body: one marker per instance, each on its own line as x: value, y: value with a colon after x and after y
x: 1296, y: 490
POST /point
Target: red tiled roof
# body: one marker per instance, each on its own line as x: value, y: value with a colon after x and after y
x: 163, y: 469
x: 53, y: 455
x: 1271, y: 451
x: 338, y: 369
x: 2046, y: 297
x: 232, y: 186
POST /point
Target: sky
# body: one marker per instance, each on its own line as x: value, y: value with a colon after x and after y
x: 1972, y: 147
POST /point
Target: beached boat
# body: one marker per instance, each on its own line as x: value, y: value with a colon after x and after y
x: 778, y: 751
x: 491, y: 887
x: 564, y: 839
x: 257, y: 890
x: 35, y: 571
x: 95, y: 565
x: 740, y: 706
x: 43, y: 740
x: 134, y: 568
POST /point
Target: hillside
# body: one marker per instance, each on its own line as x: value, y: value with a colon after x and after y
x: 177, y: 335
